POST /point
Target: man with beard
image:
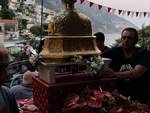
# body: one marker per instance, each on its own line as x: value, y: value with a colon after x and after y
x: 130, y: 65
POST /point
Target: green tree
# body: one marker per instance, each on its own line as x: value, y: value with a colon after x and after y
x: 144, y: 38
x: 35, y: 30
x: 24, y: 23
x: 117, y: 42
x: 7, y: 14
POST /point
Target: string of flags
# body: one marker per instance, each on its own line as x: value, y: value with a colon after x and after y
x: 119, y: 11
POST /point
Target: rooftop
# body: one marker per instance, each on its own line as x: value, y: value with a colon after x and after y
x: 7, y: 21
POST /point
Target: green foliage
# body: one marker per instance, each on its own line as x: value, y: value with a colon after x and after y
x: 117, y: 42
x: 94, y: 63
x: 24, y: 23
x: 34, y: 43
x: 144, y: 36
x: 35, y: 30
x: 7, y: 14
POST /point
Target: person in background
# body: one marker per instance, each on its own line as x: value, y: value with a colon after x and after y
x: 131, y: 66
x: 24, y: 90
x: 100, y: 39
x: 7, y: 99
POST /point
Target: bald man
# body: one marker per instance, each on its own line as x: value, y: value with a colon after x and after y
x: 7, y: 99
x: 24, y: 90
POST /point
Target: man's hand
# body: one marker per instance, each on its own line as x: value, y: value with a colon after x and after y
x: 109, y: 73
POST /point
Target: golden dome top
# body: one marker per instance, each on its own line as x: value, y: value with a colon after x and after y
x: 70, y: 21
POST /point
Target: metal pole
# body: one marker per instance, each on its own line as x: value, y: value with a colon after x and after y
x: 41, y: 41
x: 41, y: 19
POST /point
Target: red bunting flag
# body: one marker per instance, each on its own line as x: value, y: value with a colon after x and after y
x: 108, y: 9
x: 81, y: 1
x: 128, y: 13
x: 91, y: 4
x: 119, y: 12
x: 137, y: 13
x: 99, y: 7
x: 145, y: 14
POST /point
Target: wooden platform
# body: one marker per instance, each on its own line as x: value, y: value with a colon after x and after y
x: 50, y: 97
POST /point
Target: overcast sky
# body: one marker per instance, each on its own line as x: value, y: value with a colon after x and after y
x: 138, y: 21
x: 132, y: 5
x: 129, y: 5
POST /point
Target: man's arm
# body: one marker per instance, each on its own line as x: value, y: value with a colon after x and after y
x: 134, y: 73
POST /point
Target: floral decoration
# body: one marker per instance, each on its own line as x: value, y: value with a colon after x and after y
x: 96, y: 101
x: 94, y: 63
x: 33, y: 59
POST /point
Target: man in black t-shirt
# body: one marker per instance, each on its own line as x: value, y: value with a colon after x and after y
x: 130, y: 65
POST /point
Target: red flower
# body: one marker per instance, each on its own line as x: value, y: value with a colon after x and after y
x: 94, y: 102
x: 146, y: 107
x: 101, y: 94
x: 116, y: 109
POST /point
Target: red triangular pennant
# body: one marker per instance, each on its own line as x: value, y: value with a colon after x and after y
x: 81, y: 1
x: 99, y: 7
x: 137, y: 13
x: 119, y: 12
x: 145, y: 14
x: 91, y: 4
x: 128, y: 13
x: 108, y: 9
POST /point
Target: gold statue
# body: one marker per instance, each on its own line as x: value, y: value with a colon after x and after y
x: 71, y: 35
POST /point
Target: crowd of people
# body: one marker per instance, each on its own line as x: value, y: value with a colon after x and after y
x: 130, y: 65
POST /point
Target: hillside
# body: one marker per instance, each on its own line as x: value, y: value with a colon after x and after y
x: 101, y: 20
